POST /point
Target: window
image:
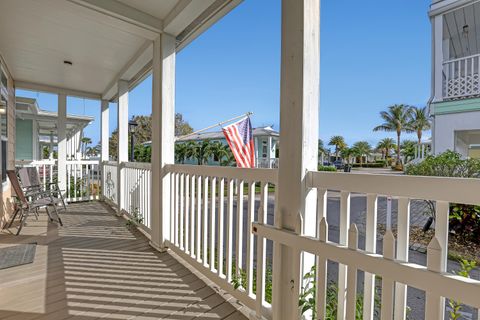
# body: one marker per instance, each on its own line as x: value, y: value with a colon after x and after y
x: 264, y: 149
x: 3, y: 123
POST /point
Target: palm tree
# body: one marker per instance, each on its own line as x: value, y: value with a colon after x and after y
x: 339, y: 143
x: 396, y: 119
x: 408, y: 149
x: 385, y: 145
x: 361, y: 149
x: 420, y: 121
x: 201, y: 151
x: 85, y: 142
x: 347, y: 153
x: 180, y: 152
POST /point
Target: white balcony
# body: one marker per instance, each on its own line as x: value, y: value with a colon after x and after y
x: 461, y: 78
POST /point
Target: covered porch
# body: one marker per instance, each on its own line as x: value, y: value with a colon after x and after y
x: 253, y: 233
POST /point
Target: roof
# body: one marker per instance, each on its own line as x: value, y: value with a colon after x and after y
x: 27, y: 108
x: 216, y: 135
x: 257, y: 132
x: 83, y: 47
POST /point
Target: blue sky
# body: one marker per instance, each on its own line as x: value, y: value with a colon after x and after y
x: 373, y: 54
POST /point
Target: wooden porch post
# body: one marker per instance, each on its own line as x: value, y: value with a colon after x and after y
x: 104, y: 141
x: 62, y: 142
x: 122, y: 119
x: 299, y: 103
x: 163, y: 136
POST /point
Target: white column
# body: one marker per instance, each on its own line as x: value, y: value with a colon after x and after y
x: 35, y: 144
x: 122, y: 122
x: 104, y: 131
x: 62, y: 142
x: 50, y: 156
x: 437, y: 32
x: 256, y: 151
x: 163, y: 135
x: 299, y: 102
x: 269, y: 154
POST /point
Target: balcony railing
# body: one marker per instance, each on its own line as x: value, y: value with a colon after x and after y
x: 221, y: 222
x: 267, y: 163
x: 461, y: 77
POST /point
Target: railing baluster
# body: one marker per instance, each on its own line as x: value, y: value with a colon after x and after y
x: 239, y: 230
x: 192, y: 217
x: 387, y: 283
x: 370, y: 246
x: 262, y: 218
x: 321, y: 275
x: 213, y: 185
x: 351, y: 301
x: 205, y: 222
x: 176, y: 208
x: 250, y: 237
x: 172, y: 207
x: 229, y: 230
x: 403, y: 229
x: 220, y: 226
x: 199, y: 218
x: 187, y: 214
x: 182, y: 209
x: 260, y: 285
x: 343, y: 240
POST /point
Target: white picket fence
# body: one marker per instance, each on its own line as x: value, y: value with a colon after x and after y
x: 393, y: 266
x: 209, y: 233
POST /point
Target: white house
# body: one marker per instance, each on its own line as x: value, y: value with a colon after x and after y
x: 36, y: 128
x: 455, y: 102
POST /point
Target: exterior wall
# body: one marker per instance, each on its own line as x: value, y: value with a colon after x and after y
x: 446, y: 125
x: 24, y: 139
x: 6, y: 200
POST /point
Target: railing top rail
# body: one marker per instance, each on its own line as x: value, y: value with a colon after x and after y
x: 247, y: 174
x: 36, y: 162
x: 137, y: 165
x: 109, y: 163
x: 456, y: 190
x: 447, y: 285
x: 462, y: 58
x: 83, y: 162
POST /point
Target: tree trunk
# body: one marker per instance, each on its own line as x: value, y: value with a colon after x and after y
x: 419, y: 135
x: 398, y: 148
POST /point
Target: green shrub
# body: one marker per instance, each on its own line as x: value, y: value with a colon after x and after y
x: 447, y: 164
x: 369, y: 165
x: 327, y: 168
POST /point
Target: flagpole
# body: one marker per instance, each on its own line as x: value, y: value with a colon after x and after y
x: 215, y: 125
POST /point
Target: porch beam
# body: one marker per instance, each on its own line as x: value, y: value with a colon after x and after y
x: 146, y: 25
x: 299, y: 103
x: 62, y: 142
x: 183, y: 14
x: 104, y: 130
x: 57, y: 90
x: 163, y: 137
x: 129, y: 71
x: 122, y: 154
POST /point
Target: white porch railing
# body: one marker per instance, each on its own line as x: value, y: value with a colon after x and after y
x: 461, y: 77
x: 267, y: 163
x: 137, y: 190
x: 393, y: 266
x: 210, y: 230
x: 47, y: 169
x: 110, y: 181
x: 83, y: 180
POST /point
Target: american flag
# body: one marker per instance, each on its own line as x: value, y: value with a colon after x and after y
x: 240, y: 139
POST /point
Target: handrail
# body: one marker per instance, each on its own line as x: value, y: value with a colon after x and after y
x: 460, y: 59
x: 456, y: 190
x: 247, y: 174
x: 137, y: 165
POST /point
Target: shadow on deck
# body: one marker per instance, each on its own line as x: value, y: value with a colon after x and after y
x: 95, y: 268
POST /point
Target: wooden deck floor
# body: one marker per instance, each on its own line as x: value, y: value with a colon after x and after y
x: 95, y: 268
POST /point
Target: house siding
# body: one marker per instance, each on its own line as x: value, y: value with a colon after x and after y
x: 6, y: 190
x: 24, y: 139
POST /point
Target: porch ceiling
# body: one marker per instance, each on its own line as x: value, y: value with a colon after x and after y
x: 105, y: 40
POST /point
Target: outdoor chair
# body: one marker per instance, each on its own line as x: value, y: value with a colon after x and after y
x: 30, y: 182
x: 31, y: 202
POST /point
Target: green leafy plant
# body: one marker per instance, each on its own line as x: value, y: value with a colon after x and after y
x: 327, y: 168
x: 466, y: 267
x: 135, y: 220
